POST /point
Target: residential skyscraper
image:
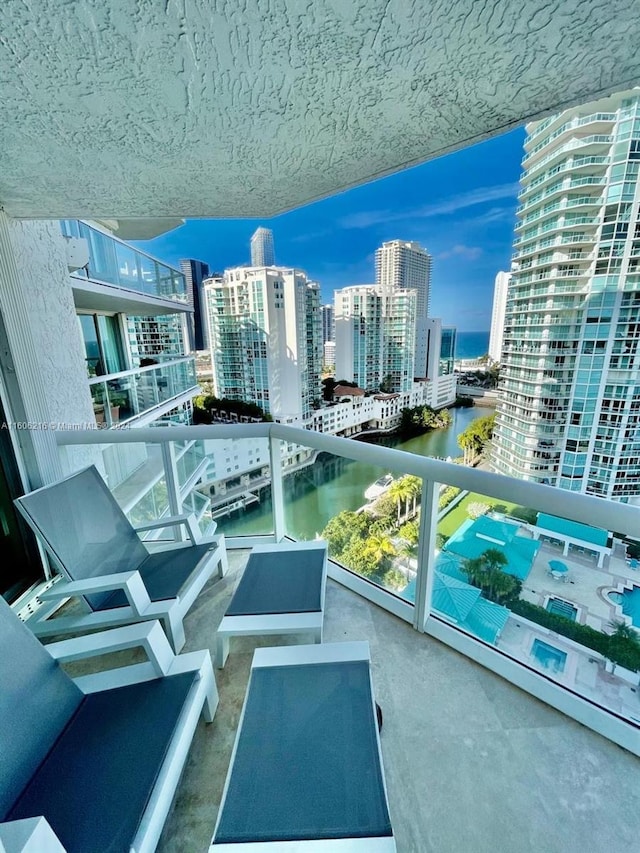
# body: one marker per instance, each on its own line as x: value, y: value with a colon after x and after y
x: 195, y: 272
x: 266, y: 339
x: 402, y: 265
x: 375, y: 337
x: 262, y: 251
x: 328, y: 324
x: 569, y: 413
x: 497, y: 315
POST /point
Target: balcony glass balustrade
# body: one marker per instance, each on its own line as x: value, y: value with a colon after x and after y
x: 122, y: 397
x: 116, y: 263
x: 488, y: 564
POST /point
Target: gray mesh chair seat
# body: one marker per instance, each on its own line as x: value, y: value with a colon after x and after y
x: 89, y: 537
x: 306, y: 765
x: 94, y: 784
x: 165, y: 574
x: 98, y: 759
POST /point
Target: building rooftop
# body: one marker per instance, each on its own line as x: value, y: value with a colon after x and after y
x: 573, y: 529
x: 471, y: 762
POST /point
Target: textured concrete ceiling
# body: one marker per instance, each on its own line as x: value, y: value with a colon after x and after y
x: 129, y: 108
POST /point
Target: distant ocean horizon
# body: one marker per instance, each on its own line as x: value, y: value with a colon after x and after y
x: 472, y: 344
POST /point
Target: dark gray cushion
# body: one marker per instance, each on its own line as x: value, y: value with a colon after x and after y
x: 95, y: 783
x: 280, y: 582
x: 307, y: 763
x: 165, y: 574
x: 37, y: 700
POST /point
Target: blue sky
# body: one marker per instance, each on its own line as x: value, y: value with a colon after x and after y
x: 460, y: 207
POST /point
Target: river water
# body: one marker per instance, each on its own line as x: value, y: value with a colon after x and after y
x: 332, y: 484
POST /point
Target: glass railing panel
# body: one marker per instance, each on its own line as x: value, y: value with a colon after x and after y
x: 238, y: 484
x: 561, y: 598
x: 128, y: 395
x: 114, y: 262
x: 369, y: 515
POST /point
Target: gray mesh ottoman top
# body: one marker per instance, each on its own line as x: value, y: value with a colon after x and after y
x: 286, y: 581
x: 307, y: 764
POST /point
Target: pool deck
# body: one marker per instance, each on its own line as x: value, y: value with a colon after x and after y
x: 585, y: 587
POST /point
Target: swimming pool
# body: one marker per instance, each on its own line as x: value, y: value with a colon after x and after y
x: 548, y: 656
x: 562, y: 608
x: 630, y: 602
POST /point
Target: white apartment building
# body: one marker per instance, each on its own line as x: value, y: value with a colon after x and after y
x: 266, y: 339
x: 262, y: 250
x: 375, y: 337
x: 359, y: 336
x: 497, y: 315
x: 569, y: 413
x: 406, y: 265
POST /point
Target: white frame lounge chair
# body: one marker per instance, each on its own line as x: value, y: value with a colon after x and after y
x: 281, y: 591
x: 108, y: 567
x: 93, y: 763
x: 306, y: 770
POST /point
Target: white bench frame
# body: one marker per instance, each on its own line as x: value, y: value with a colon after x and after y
x: 27, y: 836
x: 294, y: 656
x: 274, y: 623
x: 170, y: 611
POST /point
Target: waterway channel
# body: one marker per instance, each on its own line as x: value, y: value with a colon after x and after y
x: 316, y: 493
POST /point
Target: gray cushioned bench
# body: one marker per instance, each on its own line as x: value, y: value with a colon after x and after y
x: 281, y: 591
x: 99, y: 758
x: 306, y: 765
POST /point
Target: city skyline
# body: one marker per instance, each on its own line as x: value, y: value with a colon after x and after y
x: 463, y: 219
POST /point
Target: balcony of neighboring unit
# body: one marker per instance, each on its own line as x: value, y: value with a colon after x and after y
x: 587, y: 145
x: 120, y: 278
x: 562, y: 186
x: 599, y: 122
x: 143, y: 394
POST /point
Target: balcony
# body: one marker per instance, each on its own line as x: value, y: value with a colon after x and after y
x: 119, y: 265
x: 451, y: 730
x: 240, y: 467
x: 134, y: 396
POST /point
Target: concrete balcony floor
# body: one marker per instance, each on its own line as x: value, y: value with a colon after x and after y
x: 472, y: 763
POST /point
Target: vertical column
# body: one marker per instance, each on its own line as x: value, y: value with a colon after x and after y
x: 426, y: 552
x: 277, y: 492
x: 41, y: 356
x: 173, y: 486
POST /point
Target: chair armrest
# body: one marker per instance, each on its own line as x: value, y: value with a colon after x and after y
x: 189, y: 522
x: 166, y: 521
x: 149, y: 635
x: 29, y: 835
x: 130, y: 582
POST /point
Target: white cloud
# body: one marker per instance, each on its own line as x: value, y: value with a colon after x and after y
x: 482, y: 195
x: 469, y: 253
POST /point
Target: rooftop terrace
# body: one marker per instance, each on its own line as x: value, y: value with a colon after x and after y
x: 471, y: 762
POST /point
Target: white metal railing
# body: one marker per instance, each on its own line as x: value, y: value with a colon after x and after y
x: 589, y: 510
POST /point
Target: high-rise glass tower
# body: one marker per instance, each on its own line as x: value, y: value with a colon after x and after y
x: 266, y: 339
x: 497, y: 315
x: 569, y: 413
x: 375, y: 337
x: 402, y: 265
x: 262, y: 251
x: 328, y: 324
x: 195, y: 272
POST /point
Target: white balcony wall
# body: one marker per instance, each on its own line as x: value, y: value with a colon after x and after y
x: 42, y: 365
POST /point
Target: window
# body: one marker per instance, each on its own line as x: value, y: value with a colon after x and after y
x: 102, y: 344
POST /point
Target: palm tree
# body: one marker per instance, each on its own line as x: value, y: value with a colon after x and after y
x: 414, y: 486
x: 623, y: 647
x: 397, y: 491
x: 379, y: 547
